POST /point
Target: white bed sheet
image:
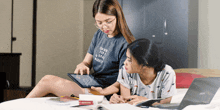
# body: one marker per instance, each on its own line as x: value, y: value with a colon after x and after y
x: 43, y: 104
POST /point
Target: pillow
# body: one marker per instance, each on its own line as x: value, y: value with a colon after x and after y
x: 184, y: 80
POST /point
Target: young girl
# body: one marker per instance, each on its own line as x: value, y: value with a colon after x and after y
x: 143, y: 76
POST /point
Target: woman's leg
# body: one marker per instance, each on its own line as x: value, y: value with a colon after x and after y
x: 55, y: 85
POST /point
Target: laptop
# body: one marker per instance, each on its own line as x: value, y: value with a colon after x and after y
x: 201, y: 91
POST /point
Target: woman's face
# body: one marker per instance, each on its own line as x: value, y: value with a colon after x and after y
x: 107, y: 23
x: 131, y: 64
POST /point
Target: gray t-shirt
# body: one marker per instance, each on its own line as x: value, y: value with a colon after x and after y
x: 163, y: 86
x: 109, y: 55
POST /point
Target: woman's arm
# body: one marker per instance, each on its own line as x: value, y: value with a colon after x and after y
x: 85, y: 65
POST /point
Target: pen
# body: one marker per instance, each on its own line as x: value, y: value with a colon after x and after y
x: 72, y: 97
x: 75, y: 97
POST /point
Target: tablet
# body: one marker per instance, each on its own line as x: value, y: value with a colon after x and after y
x: 84, y: 81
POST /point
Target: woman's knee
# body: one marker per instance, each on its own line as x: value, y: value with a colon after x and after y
x: 51, y: 79
x: 47, y: 79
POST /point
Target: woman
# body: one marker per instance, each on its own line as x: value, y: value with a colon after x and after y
x: 143, y: 76
x: 106, y: 53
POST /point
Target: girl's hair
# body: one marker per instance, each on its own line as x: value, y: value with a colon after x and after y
x: 146, y: 53
x: 112, y: 7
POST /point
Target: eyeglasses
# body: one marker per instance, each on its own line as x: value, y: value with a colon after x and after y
x: 100, y: 25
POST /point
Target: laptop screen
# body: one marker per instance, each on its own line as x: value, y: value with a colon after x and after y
x: 201, y: 91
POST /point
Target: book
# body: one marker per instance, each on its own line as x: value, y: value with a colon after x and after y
x: 86, y: 102
x: 97, y: 99
x: 64, y: 100
x: 84, y: 81
x: 89, y: 101
x: 67, y: 98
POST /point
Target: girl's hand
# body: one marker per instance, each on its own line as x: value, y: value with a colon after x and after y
x: 82, y: 69
x: 156, y: 103
x: 97, y: 91
x: 134, y: 99
x: 115, y: 98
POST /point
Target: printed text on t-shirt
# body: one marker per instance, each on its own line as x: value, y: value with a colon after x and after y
x: 101, y: 55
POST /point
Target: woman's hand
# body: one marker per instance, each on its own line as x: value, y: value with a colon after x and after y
x: 115, y: 98
x: 134, y: 99
x: 82, y: 68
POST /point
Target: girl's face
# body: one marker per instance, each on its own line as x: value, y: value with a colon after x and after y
x: 106, y: 23
x: 131, y: 65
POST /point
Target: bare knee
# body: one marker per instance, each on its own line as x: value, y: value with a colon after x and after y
x: 47, y: 80
x: 61, y: 82
x: 54, y: 80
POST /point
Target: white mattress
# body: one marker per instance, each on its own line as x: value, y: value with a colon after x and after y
x: 44, y: 104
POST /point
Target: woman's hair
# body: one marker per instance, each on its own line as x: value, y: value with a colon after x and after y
x: 146, y: 53
x: 112, y: 7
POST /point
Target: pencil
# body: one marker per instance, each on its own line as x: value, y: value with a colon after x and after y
x: 71, y: 97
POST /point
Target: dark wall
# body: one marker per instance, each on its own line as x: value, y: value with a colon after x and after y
x: 163, y: 21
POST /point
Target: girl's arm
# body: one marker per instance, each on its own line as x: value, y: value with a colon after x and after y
x: 126, y: 97
x: 164, y: 101
x: 125, y: 92
x: 167, y: 100
x: 114, y: 88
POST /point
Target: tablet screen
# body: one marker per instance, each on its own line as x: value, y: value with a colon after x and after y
x: 85, y: 81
